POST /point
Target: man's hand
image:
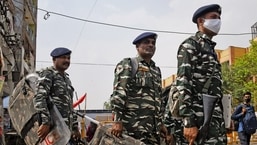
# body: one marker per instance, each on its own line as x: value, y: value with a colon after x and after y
x: 163, y: 131
x: 244, y: 110
x: 190, y: 134
x: 75, y: 135
x: 169, y: 139
x: 43, y: 130
x: 117, y: 128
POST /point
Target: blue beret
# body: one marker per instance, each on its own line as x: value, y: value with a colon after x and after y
x: 144, y: 35
x: 206, y: 9
x: 60, y: 51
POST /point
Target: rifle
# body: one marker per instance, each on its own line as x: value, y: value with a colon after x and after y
x: 209, y: 102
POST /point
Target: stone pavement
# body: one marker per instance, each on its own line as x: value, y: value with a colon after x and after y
x: 233, y: 139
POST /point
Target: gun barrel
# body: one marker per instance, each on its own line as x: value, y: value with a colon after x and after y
x: 79, y: 114
x: 92, y: 120
x: 209, y: 102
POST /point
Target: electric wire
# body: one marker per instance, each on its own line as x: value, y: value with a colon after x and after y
x: 128, y: 27
x: 97, y: 64
x: 134, y: 28
x: 119, y: 26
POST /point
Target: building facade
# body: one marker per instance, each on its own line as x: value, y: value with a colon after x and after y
x: 18, y: 27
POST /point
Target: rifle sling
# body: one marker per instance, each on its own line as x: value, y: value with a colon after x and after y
x: 208, y: 82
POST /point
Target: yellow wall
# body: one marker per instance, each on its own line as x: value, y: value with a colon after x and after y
x: 166, y: 82
x: 231, y: 54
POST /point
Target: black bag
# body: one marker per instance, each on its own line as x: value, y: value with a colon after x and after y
x: 250, y: 121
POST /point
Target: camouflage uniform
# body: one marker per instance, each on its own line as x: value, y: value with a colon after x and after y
x: 58, y: 87
x: 136, y: 101
x: 196, y: 59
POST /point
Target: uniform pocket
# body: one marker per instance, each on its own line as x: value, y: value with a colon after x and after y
x: 144, y: 79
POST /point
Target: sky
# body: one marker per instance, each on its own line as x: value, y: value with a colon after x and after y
x: 98, y: 44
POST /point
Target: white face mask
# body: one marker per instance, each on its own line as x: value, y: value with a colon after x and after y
x: 212, y: 24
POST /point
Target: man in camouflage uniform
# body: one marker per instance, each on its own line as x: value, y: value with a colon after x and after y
x: 136, y: 100
x: 55, y: 84
x: 197, y: 62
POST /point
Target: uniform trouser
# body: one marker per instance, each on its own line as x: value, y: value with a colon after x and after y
x: 244, y: 138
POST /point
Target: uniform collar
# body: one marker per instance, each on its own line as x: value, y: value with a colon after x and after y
x: 140, y: 59
x: 57, y: 72
x: 201, y: 35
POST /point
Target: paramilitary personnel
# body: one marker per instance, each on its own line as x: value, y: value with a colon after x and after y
x: 136, y: 100
x: 55, y: 84
x: 198, y: 63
